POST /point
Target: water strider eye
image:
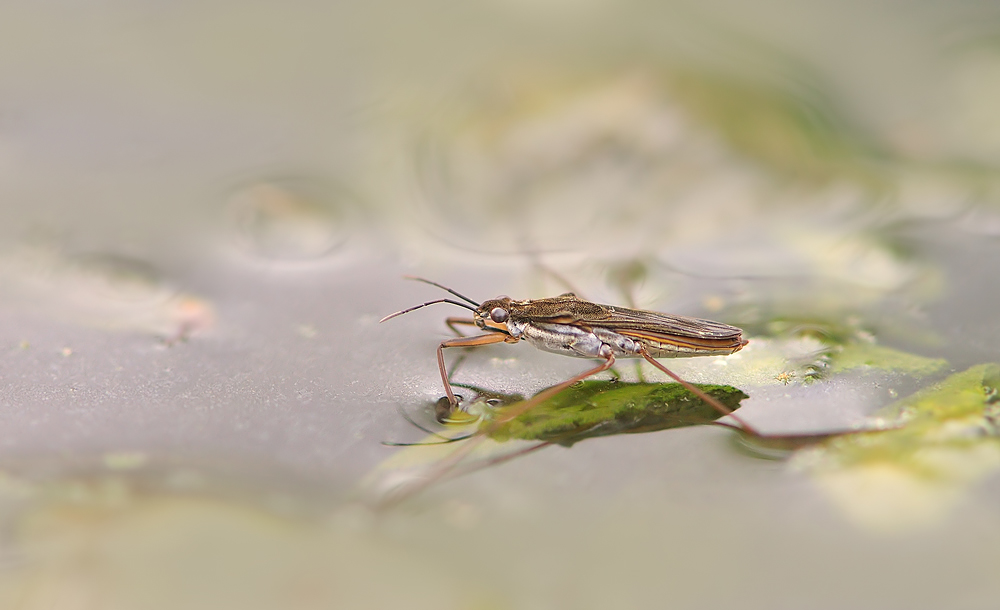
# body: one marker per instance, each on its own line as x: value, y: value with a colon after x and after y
x: 499, y: 315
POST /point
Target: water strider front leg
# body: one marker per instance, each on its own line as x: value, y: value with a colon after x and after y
x: 497, y: 337
x: 450, y: 322
x: 448, y: 464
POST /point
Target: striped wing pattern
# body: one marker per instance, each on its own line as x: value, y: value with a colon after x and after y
x: 622, y: 320
x: 666, y: 334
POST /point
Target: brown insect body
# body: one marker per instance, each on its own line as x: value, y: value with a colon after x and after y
x: 571, y: 326
x: 584, y: 326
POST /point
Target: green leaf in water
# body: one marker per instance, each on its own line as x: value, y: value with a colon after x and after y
x: 603, y: 408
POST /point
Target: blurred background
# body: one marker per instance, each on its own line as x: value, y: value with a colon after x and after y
x: 207, y: 207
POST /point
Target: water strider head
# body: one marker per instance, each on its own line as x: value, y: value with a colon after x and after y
x: 493, y: 313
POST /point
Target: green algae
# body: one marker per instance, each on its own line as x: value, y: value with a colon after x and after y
x: 868, y: 355
x: 938, y: 443
x: 845, y: 345
x: 960, y: 413
x: 604, y: 408
x: 971, y: 392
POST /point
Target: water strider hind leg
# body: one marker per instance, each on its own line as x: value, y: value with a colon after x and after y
x: 715, y: 404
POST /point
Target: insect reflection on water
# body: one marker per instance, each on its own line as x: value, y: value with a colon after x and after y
x: 591, y: 408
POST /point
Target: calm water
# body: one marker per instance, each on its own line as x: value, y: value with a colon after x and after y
x: 208, y: 208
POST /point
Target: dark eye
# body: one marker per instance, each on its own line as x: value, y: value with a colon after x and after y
x: 499, y: 315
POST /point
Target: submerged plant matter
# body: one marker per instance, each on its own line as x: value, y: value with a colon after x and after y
x: 945, y: 438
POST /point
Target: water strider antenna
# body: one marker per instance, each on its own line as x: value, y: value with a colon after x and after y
x: 461, y: 296
x: 399, y: 313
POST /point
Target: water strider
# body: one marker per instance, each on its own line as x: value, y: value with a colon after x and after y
x: 571, y: 326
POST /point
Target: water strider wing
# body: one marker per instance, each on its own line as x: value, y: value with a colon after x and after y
x: 674, y: 334
x: 652, y: 327
x: 620, y: 319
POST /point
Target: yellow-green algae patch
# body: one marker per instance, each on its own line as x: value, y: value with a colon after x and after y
x: 912, y: 475
x: 844, y: 344
x: 868, y: 355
